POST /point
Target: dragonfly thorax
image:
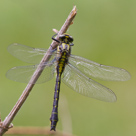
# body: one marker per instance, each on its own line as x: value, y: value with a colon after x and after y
x: 65, y: 43
x: 63, y: 47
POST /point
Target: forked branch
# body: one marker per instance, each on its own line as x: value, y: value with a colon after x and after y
x: 6, y: 124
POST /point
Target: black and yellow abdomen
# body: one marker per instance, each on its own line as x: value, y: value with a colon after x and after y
x: 59, y: 69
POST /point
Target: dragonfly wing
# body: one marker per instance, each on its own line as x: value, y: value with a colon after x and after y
x: 86, y: 86
x: 26, y: 53
x: 99, y: 71
x: 24, y: 73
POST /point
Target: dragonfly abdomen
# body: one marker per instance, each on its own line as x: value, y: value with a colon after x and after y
x: 54, y: 115
x: 60, y: 68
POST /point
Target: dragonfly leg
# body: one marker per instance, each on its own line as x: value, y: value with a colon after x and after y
x: 55, y: 39
x: 71, y: 44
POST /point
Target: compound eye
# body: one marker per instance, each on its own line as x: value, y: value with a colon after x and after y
x: 70, y: 39
x: 61, y: 37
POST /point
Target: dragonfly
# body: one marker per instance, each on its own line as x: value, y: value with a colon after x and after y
x: 75, y: 71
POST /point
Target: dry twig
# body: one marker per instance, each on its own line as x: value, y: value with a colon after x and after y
x: 5, y: 125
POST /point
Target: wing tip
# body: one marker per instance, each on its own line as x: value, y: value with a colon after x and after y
x: 126, y: 76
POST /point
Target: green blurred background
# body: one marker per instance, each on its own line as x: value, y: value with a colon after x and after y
x: 104, y: 31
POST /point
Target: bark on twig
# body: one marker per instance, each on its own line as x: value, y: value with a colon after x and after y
x: 5, y: 125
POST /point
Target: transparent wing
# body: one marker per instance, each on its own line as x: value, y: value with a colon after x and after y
x: 24, y: 73
x: 86, y: 86
x: 99, y: 71
x: 26, y: 53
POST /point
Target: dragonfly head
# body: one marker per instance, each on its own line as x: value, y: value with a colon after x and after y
x: 66, y: 38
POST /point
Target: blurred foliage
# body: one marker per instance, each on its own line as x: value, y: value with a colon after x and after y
x: 103, y: 31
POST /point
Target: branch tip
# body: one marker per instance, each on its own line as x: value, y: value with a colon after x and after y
x: 55, y: 30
